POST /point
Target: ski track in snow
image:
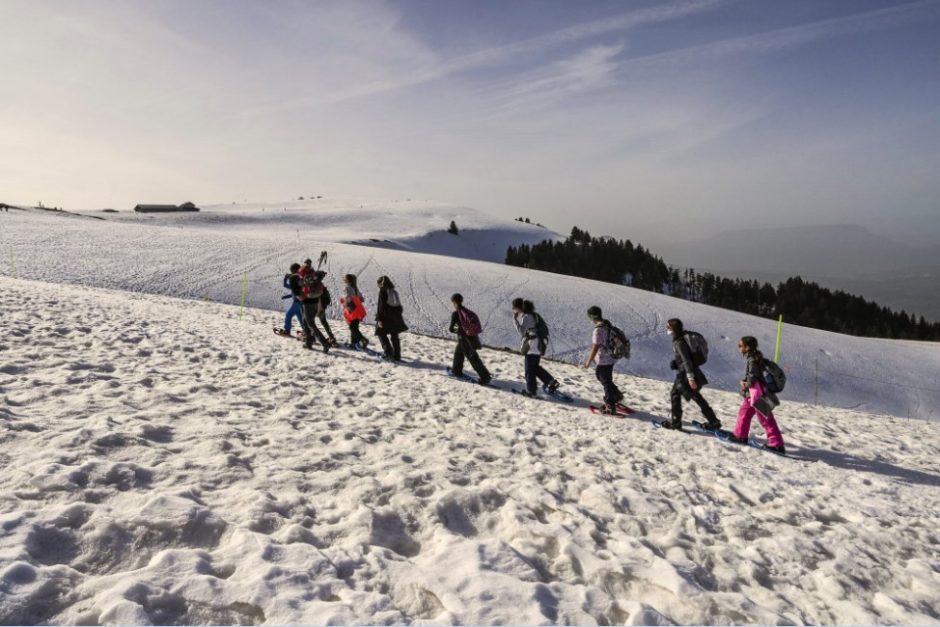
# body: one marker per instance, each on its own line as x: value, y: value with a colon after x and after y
x: 163, y: 462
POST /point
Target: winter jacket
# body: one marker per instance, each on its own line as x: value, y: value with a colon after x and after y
x: 390, y: 317
x: 352, y: 305
x: 754, y: 375
x: 525, y: 325
x: 754, y: 371
x: 683, y: 361
x: 295, y: 285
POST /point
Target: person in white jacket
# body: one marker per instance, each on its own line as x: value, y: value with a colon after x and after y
x: 526, y: 321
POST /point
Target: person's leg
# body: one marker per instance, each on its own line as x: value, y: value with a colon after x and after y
x: 386, y: 345
x: 355, y: 336
x: 292, y: 312
x: 543, y: 375
x: 531, y: 365
x: 675, y: 397
x: 396, y: 347
x: 767, y: 421
x: 477, y: 363
x: 457, y: 366
x: 606, y: 375
x: 326, y: 325
x: 710, y: 418
x: 743, y: 426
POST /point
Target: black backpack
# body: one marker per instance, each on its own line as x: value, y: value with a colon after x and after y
x: 775, y: 379
x: 698, y: 346
x: 541, y: 333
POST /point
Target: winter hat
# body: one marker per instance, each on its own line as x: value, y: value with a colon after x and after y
x: 594, y: 313
x: 308, y: 262
x: 457, y: 298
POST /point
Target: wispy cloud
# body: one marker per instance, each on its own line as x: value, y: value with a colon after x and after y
x: 501, y: 54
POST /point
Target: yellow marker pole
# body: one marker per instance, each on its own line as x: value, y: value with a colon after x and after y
x: 207, y: 296
x: 779, y: 331
x: 244, y: 292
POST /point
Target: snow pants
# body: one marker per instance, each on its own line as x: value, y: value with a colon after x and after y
x: 747, y: 411
x: 680, y: 390
x: 296, y: 311
x: 467, y: 348
x: 612, y: 394
x: 311, y: 331
x: 391, y: 345
x: 534, y: 372
x: 355, y: 335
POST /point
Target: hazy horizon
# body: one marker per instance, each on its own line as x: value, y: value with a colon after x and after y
x: 647, y: 120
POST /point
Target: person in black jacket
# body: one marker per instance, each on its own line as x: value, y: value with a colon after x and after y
x: 468, y: 344
x: 689, y: 380
x: 313, y: 289
x: 389, y: 321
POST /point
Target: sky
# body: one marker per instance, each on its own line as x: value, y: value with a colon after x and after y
x: 651, y: 120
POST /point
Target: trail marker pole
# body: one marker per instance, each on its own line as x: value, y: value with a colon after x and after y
x: 779, y: 332
x: 241, y: 312
x: 816, y: 385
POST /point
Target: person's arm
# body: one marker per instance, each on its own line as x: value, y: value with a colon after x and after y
x: 590, y: 359
x: 685, y: 362
x: 518, y: 323
x: 752, y: 374
x: 455, y: 323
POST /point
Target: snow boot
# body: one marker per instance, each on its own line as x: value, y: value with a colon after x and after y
x: 779, y: 450
x: 552, y: 387
x: 672, y: 423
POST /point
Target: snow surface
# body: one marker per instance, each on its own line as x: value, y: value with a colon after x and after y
x: 206, y: 255
x: 163, y: 461
x: 401, y: 225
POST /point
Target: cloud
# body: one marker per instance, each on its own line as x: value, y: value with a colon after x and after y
x: 500, y: 54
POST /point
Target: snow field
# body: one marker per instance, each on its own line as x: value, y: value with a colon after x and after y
x: 165, y: 462
x: 173, y: 255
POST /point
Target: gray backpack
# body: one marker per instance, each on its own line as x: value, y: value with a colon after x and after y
x: 775, y: 379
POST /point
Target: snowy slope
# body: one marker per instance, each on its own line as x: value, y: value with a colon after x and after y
x: 178, y: 259
x: 402, y: 225
x: 164, y: 462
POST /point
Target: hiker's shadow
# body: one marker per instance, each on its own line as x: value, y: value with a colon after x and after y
x: 874, y: 466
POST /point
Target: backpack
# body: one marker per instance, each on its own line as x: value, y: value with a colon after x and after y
x: 392, y: 299
x: 698, y: 345
x: 313, y: 284
x: 541, y: 333
x: 774, y: 377
x: 618, y: 344
x: 469, y: 322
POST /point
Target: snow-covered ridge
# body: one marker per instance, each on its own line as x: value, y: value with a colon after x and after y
x: 165, y: 462
x: 415, y: 226
x: 165, y: 257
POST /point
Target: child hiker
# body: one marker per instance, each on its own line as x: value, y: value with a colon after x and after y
x: 757, y: 399
x: 354, y: 312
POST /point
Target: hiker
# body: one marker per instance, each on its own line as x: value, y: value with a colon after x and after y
x: 325, y: 302
x: 354, y: 312
x: 466, y: 325
x: 292, y: 282
x: 528, y: 323
x: 689, y: 379
x: 600, y: 341
x: 313, y: 289
x: 388, y: 319
x: 757, y: 399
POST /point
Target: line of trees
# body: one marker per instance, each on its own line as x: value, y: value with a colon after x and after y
x: 801, y: 302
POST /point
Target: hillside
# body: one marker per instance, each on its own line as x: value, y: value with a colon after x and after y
x: 165, y: 462
x: 171, y: 256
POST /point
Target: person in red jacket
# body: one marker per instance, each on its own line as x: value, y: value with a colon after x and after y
x: 354, y: 312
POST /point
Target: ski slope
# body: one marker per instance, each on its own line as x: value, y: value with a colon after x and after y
x: 209, y: 256
x: 163, y: 461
